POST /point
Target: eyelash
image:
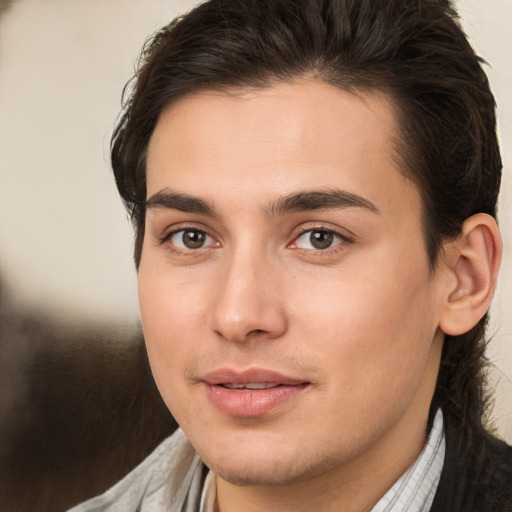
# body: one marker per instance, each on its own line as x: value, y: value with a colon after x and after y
x: 167, y: 237
x: 343, y: 239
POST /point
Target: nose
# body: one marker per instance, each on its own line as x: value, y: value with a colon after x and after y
x: 249, y: 302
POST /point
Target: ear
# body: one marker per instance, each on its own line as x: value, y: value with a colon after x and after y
x: 472, y: 261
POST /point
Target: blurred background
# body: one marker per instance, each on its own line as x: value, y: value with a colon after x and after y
x: 68, y: 306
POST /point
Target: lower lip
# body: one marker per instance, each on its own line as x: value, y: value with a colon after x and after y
x: 251, y: 403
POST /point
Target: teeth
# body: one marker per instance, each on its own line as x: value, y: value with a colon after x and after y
x: 252, y: 385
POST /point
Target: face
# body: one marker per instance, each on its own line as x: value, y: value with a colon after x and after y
x: 289, y: 310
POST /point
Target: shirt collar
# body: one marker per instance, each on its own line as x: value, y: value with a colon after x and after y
x: 414, y: 491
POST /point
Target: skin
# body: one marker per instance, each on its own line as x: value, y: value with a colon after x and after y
x: 356, y: 319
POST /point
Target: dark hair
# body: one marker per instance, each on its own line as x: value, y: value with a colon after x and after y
x: 413, y: 50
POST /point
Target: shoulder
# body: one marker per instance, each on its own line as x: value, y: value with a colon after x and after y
x: 163, y: 477
x: 496, y: 474
x: 477, y: 473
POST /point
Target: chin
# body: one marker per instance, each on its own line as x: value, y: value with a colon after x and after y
x: 257, y: 468
x: 269, y: 474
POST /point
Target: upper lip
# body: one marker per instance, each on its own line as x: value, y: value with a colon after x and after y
x: 249, y: 376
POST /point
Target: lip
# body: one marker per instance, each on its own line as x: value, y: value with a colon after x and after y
x: 250, y: 403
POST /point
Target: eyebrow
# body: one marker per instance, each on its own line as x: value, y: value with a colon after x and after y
x: 182, y: 202
x: 292, y: 203
x: 318, y: 200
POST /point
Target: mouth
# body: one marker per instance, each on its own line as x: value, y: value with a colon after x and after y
x: 250, y: 386
x: 251, y: 393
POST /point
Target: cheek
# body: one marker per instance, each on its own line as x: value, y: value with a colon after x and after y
x: 173, y: 319
x: 377, y: 321
x: 170, y: 304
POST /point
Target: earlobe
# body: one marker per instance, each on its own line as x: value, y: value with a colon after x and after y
x: 473, y: 261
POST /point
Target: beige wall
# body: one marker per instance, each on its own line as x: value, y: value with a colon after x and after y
x: 65, y: 243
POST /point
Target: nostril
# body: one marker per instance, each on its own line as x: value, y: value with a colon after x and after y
x: 256, y: 333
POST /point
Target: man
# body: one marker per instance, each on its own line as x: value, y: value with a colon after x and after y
x: 313, y: 187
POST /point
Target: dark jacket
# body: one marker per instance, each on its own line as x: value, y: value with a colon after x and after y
x: 477, y: 473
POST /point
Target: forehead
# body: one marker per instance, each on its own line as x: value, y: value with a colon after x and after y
x: 277, y: 140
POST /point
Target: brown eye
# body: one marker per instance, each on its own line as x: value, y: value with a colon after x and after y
x: 321, y: 239
x: 190, y: 239
x: 318, y: 239
x: 193, y: 239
